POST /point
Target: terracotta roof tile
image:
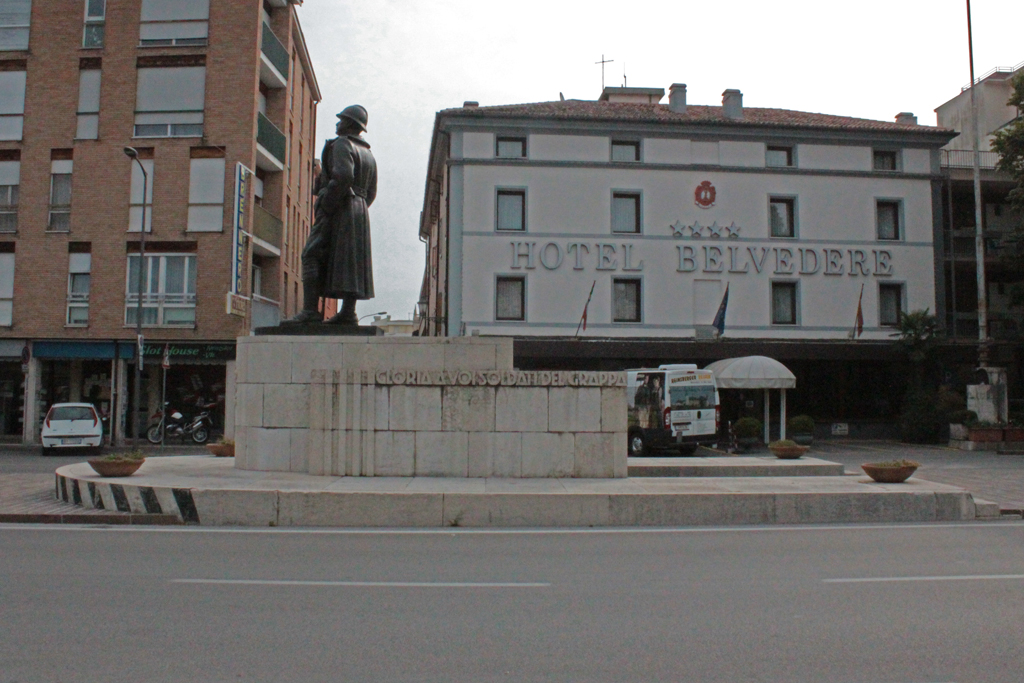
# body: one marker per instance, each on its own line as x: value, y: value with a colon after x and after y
x: 588, y: 110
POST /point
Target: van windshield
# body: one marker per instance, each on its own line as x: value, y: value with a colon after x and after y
x: 692, y: 397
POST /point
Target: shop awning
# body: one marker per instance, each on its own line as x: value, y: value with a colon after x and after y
x: 752, y: 372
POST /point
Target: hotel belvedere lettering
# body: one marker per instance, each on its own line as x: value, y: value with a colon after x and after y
x: 735, y: 259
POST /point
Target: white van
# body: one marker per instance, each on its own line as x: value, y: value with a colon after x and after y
x: 673, y: 406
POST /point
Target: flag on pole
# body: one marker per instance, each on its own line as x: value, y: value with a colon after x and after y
x: 858, y: 325
x: 719, y: 323
x: 583, y: 320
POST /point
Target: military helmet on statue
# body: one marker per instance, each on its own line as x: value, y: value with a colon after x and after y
x: 355, y: 113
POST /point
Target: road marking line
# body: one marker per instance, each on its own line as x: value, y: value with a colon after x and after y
x: 349, y: 531
x: 883, y: 579
x: 361, y: 584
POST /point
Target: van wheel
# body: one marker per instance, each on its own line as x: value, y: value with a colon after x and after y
x: 637, y: 446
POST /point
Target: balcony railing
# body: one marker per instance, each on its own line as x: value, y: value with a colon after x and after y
x: 271, y: 137
x: 964, y: 158
x: 266, y: 226
x: 274, y: 50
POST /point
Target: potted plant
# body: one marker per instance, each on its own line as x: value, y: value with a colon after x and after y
x: 784, y: 449
x: 118, y: 464
x: 1015, y: 429
x: 959, y: 421
x: 985, y: 432
x: 891, y: 471
x: 224, y: 448
x: 747, y: 431
x: 800, y: 428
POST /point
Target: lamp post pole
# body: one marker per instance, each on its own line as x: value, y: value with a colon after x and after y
x: 979, y: 233
x: 137, y: 394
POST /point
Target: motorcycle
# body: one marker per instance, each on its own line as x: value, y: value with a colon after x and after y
x: 171, y: 422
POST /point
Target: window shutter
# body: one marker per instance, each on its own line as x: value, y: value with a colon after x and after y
x: 206, y: 195
x: 171, y: 89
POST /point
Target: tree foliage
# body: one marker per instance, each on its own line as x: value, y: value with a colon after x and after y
x: 1009, y: 143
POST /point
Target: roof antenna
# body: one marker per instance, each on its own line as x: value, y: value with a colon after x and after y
x: 624, y: 75
x: 602, y: 63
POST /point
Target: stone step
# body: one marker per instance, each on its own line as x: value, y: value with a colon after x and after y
x: 728, y: 466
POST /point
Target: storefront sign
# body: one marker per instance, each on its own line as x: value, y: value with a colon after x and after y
x: 242, y: 176
x: 187, y: 353
x: 739, y: 260
x: 236, y: 304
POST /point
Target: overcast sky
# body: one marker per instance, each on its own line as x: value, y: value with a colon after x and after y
x: 406, y: 59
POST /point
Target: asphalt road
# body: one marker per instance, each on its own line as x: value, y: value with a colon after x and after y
x: 881, y: 604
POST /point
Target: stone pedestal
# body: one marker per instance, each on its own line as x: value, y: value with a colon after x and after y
x: 413, y: 406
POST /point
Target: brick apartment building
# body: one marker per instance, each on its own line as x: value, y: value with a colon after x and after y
x: 219, y: 100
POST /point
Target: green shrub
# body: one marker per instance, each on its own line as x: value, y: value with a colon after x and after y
x: 783, y: 443
x: 921, y: 420
x: 748, y: 428
x: 800, y: 424
x: 896, y: 463
x: 127, y: 455
x: 949, y: 401
x: 963, y: 417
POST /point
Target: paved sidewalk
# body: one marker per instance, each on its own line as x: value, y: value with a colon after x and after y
x: 29, y: 498
x: 998, y: 478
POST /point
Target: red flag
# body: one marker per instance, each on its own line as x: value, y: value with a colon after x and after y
x: 858, y: 326
x: 583, y: 320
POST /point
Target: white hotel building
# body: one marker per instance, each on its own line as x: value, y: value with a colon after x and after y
x: 659, y: 207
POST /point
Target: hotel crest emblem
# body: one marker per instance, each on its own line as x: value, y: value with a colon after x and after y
x: 704, y: 195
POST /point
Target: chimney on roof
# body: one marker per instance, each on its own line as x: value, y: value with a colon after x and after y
x: 470, y: 104
x: 906, y: 117
x: 732, y: 103
x: 677, y: 98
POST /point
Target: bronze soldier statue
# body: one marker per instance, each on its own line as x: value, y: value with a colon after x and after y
x: 336, y: 261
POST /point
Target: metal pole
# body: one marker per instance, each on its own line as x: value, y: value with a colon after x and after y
x: 139, y: 343
x: 979, y: 234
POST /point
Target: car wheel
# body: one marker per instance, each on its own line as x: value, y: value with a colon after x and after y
x: 200, y: 435
x: 637, y: 445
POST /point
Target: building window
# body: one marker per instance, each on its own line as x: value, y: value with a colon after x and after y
x: 88, y: 104
x: 79, y: 269
x: 169, y: 102
x: 777, y: 155
x: 784, y: 303
x: 625, y: 150
x: 782, y: 216
x: 510, y: 298
x: 136, y: 200
x: 10, y: 172
x: 174, y: 22
x: 60, y: 196
x: 512, y: 210
x: 885, y: 160
x: 14, y: 24
x: 95, y: 16
x: 7, y: 286
x: 888, y: 220
x: 12, y: 104
x: 510, y: 148
x: 169, y: 290
x: 626, y: 212
x: 627, y: 303
x: 206, y: 195
x: 890, y: 304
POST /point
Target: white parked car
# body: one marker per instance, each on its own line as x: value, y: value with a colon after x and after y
x: 71, y: 425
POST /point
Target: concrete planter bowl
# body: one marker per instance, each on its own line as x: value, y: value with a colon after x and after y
x: 787, y: 451
x: 116, y: 468
x: 890, y: 472
x: 221, y: 450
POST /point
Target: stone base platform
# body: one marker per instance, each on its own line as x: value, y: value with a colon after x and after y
x: 321, y: 330
x: 210, y: 491
x: 739, y: 466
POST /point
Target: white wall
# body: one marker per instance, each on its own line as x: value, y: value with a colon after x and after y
x: 566, y: 205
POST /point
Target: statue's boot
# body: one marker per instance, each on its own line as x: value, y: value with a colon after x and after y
x: 310, y: 312
x: 347, y: 314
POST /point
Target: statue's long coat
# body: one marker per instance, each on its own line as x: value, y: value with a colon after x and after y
x: 348, y: 185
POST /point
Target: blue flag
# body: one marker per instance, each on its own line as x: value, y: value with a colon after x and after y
x: 719, y: 323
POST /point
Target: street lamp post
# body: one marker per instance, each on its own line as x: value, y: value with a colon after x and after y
x: 369, y: 314
x: 132, y: 153
x: 979, y: 233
